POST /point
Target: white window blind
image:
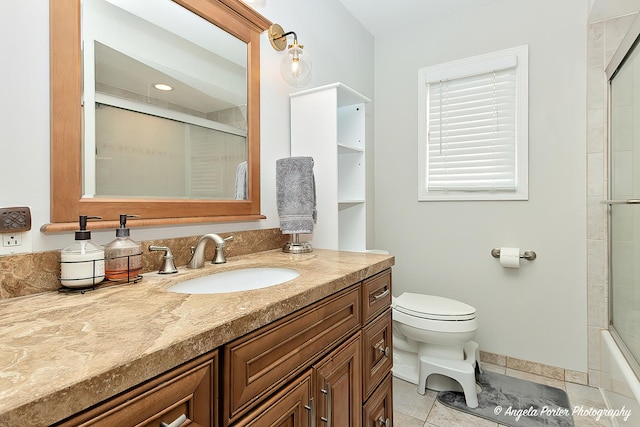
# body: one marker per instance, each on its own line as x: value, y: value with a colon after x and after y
x: 471, y: 133
x: 473, y: 128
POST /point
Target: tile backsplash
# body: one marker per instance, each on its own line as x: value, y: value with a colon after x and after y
x: 28, y: 274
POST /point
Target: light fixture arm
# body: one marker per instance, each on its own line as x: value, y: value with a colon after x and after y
x: 295, y: 37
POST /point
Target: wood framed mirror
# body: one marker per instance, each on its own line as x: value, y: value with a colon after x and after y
x: 68, y: 198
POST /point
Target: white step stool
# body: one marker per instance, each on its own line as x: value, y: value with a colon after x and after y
x: 463, y: 371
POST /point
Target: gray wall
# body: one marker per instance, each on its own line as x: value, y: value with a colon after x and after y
x: 538, y: 312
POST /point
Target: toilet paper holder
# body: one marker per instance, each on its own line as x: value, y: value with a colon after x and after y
x: 529, y: 255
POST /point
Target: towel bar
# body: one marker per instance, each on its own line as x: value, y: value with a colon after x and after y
x: 529, y: 255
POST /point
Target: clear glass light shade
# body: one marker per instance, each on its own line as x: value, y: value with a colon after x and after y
x: 296, y: 66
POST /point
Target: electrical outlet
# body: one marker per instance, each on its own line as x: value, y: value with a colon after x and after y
x: 15, y: 243
x: 12, y: 240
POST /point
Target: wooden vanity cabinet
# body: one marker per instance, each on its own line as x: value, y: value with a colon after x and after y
x: 190, y: 390
x: 339, y: 346
x: 255, y: 365
x: 328, y: 364
x: 329, y: 392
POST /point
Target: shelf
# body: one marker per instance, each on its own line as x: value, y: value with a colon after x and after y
x: 343, y: 204
x: 348, y: 149
x: 329, y: 124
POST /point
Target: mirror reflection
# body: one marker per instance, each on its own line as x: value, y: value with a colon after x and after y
x: 165, y: 103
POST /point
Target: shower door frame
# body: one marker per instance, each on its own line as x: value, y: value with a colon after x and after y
x: 629, y: 42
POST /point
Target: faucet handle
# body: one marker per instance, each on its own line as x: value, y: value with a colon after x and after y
x: 220, y: 257
x: 168, y: 266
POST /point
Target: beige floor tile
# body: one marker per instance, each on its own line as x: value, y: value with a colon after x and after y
x: 407, y: 401
x: 443, y: 416
x: 414, y: 410
x: 591, y: 422
x: 584, y: 395
x: 402, y: 420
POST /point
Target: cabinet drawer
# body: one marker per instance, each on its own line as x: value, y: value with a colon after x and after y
x: 189, y: 390
x: 377, y: 352
x: 376, y: 295
x: 275, y: 354
x: 378, y: 411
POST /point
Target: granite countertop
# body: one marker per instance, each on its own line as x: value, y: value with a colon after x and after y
x: 63, y: 352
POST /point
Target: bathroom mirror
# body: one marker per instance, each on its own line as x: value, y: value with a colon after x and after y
x: 120, y: 145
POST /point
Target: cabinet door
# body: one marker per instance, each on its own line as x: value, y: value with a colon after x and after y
x: 377, y: 348
x: 290, y: 407
x: 378, y: 411
x: 338, y: 386
x: 188, y: 390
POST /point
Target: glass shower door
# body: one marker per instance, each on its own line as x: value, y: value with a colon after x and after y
x: 624, y: 205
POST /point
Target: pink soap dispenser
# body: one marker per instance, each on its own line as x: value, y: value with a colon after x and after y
x: 123, y: 256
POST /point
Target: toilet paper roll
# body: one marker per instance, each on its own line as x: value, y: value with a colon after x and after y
x: 510, y: 257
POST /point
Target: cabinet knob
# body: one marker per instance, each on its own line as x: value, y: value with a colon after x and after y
x: 384, y: 422
x: 384, y: 350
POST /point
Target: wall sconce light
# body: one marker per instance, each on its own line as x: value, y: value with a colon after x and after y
x: 296, y: 64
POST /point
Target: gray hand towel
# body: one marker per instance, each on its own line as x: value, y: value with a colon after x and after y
x: 296, y: 194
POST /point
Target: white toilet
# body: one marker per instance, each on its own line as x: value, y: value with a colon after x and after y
x: 432, y: 344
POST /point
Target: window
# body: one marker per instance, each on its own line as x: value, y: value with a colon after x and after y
x: 473, y: 128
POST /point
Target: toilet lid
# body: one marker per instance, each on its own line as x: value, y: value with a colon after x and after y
x: 433, y: 307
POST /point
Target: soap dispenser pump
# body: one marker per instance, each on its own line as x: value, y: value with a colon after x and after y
x: 82, y: 263
x: 123, y: 256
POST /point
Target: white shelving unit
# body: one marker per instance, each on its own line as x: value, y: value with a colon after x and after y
x: 328, y: 123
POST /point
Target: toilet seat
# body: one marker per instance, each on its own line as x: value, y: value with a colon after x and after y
x: 448, y: 326
x: 433, y: 307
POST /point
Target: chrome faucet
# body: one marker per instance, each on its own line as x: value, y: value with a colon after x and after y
x: 197, y: 253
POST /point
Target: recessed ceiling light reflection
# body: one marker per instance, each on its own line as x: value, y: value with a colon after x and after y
x: 162, y: 86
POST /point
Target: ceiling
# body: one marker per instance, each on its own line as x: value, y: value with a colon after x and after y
x: 607, y: 9
x: 380, y: 17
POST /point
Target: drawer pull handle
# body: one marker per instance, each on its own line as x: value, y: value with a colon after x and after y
x: 384, y: 422
x: 176, y: 423
x: 327, y: 391
x: 384, y: 350
x: 381, y: 295
x: 312, y: 413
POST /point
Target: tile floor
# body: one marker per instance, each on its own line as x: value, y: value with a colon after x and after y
x: 411, y: 409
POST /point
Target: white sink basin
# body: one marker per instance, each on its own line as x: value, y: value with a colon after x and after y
x: 235, y: 281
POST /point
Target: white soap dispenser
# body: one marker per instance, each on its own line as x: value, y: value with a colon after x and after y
x: 82, y: 263
x: 123, y: 256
